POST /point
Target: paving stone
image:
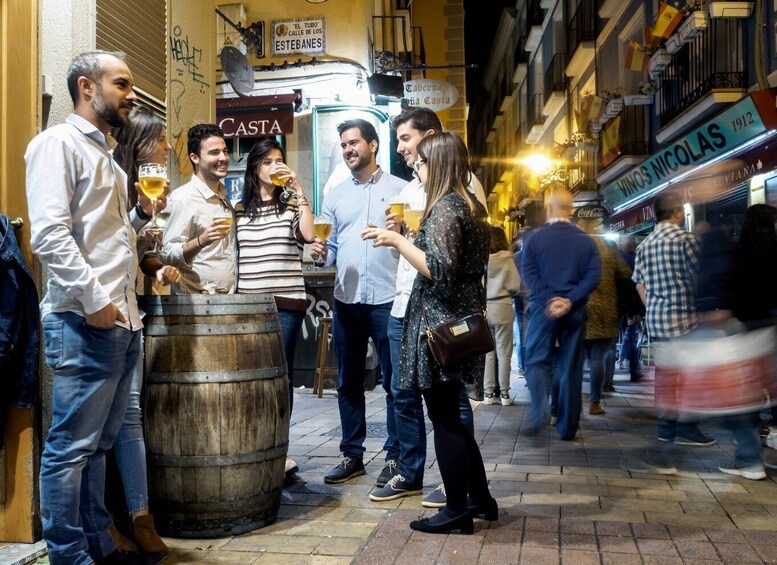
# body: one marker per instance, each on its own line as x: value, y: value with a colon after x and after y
x: 333, y: 529
x: 656, y: 547
x: 572, y: 526
x: 617, y: 544
x: 737, y: 553
x: 424, y: 551
x: 275, y: 543
x: 696, y: 549
x: 582, y: 542
x: 497, y: 554
x: 461, y: 549
x: 539, y: 556
x: 661, y: 560
x: 540, y: 539
x: 620, y: 559
x: 541, y: 525
x: 191, y: 556
x: 613, y: 529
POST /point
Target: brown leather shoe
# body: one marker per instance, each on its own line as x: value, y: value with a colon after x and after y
x: 122, y: 543
x: 595, y: 409
x: 145, y: 535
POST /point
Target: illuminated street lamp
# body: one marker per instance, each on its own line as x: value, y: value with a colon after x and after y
x: 544, y: 168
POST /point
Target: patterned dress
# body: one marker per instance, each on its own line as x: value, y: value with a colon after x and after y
x: 456, y: 244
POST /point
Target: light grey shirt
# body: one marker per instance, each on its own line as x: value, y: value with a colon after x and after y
x: 80, y: 228
x: 192, y: 209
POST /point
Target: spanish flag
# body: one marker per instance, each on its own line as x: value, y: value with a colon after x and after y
x: 597, y: 108
x: 649, y: 40
x: 667, y: 21
x: 611, y: 141
x: 636, y: 58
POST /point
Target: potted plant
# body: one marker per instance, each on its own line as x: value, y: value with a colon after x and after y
x: 614, y: 99
x: 729, y: 9
x: 658, y: 62
x: 644, y: 95
x: 586, y: 140
x: 696, y: 21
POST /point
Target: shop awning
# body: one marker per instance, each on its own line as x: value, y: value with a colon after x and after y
x: 705, y: 185
x: 256, y: 116
x: 744, y: 126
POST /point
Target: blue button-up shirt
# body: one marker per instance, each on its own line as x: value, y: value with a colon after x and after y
x: 365, y: 274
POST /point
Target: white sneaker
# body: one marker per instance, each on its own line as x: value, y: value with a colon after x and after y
x: 506, y: 400
x: 771, y: 439
x: 753, y: 472
x: 489, y: 398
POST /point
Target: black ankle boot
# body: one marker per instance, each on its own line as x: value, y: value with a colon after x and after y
x: 442, y: 523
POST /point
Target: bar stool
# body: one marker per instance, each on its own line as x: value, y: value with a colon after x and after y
x: 322, y: 370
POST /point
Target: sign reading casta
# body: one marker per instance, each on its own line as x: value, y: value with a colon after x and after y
x: 299, y: 37
x: 430, y: 93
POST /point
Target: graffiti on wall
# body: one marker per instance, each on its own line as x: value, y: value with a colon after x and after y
x: 187, y: 58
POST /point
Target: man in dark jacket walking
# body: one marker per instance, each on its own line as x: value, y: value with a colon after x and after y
x: 561, y: 267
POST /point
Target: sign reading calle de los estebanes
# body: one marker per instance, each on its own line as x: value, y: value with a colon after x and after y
x: 299, y: 37
x: 430, y: 93
x: 738, y: 124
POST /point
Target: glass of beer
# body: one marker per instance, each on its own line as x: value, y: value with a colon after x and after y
x: 397, y: 207
x: 323, y: 228
x: 413, y: 219
x: 152, y: 178
x: 287, y: 194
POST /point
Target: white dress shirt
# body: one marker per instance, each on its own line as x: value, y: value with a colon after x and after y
x: 80, y: 228
x: 414, y: 196
x: 192, y: 209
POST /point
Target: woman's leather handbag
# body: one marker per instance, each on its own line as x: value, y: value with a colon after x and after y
x: 453, y: 343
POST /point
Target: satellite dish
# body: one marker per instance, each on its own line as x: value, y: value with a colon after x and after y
x: 238, y: 70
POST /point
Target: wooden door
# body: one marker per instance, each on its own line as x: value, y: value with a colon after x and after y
x: 19, y: 120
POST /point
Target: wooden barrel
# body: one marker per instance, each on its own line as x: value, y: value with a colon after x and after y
x: 216, y: 413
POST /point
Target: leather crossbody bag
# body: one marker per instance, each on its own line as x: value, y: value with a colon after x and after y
x: 453, y: 343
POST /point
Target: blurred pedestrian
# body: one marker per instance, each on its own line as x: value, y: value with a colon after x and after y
x: 632, y: 314
x: 561, y: 268
x: 665, y: 269
x: 601, y: 327
x: 450, y: 253
x: 502, y: 284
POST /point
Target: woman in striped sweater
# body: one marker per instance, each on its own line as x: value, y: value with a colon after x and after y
x: 270, y: 236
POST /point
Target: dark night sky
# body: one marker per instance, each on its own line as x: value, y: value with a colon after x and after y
x: 481, y: 18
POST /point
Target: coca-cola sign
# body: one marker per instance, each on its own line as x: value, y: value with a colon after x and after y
x: 590, y: 212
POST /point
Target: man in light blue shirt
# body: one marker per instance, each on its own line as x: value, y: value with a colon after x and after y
x: 364, y: 287
x: 84, y: 236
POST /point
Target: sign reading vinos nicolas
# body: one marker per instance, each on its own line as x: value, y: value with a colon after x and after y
x: 430, y: 93
x: 733, y: 127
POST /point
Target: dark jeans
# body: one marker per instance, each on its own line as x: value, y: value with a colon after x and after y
x: 409, y: 415
x: 744, y: 428
x: 291, y: 324
x: 352, y: 324
x: 597, y: 352
x: 518, y: 307
x: 458, y: 455
x: 629, y: 349
x: 542, y: 333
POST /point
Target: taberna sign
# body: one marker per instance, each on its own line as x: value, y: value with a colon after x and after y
x: 738, y: 124
x: 430, y: 93
x: 590, y: 212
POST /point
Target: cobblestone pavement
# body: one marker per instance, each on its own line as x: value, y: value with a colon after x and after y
x: 560, y: 502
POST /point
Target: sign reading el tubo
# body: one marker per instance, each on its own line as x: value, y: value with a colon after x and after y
x: 430, y: 93
x: 729, y: 129
x: 299, y: 37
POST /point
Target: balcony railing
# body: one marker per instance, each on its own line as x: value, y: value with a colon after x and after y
x: 583, y: 177
x: 633, y: 137
x: 714, y: 60
x: 555, y: 75
x: 582, y: 26
x: 536, y: 104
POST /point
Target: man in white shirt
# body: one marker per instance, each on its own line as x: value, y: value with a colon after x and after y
x: 83, y: 234
x: 200, y: 235
x: 408, y: 471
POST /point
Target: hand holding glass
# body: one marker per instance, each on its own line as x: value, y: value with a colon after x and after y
x: 279, y: 177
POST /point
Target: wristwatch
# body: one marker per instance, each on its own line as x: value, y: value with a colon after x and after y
x: 141, y: 213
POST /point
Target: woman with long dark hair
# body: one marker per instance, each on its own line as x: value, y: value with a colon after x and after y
x: 450, y: 253
x: 270, y: 234
x: 142, y: 140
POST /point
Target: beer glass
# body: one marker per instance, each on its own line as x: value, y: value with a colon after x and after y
x: 323, y: 229
x: 152, y: 178
x: 413, y: 219
x: 287, y: 193
x: 397, y: 207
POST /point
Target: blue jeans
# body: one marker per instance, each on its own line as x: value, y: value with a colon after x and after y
x: 352, y: 324
x: 291, y: 324
x: 519, y: 334
x: 597, y: 352
x: 542, y: 333
x: 130, y: 448
x: 629, y: 349
x: 92, y: 379
x: 409, y: 415
x: 745, y: 430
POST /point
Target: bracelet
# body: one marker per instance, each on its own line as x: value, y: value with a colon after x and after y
x: 142, y: 213
x: 200, y: 245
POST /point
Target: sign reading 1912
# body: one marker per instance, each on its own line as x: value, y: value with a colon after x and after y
x: 733, y: 127
x: 299, y: 37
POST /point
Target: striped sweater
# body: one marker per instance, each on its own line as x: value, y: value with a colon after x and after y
x: 270, y: 254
